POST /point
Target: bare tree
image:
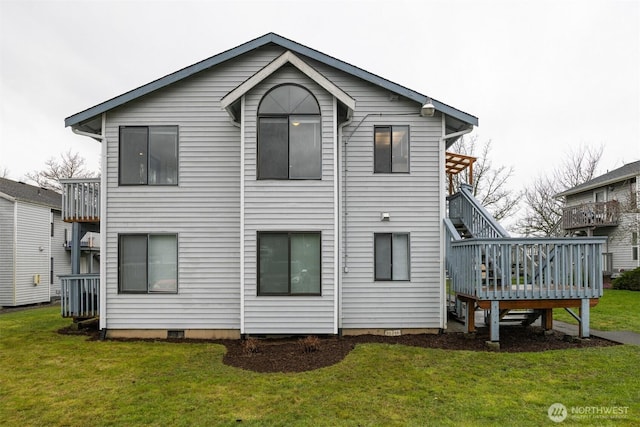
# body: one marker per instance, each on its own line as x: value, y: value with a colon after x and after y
x: 4, y: 172
x: 70, y: 165
x: 542, y: 210
x: 490, y: 184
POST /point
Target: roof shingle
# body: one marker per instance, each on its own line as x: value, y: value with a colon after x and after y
x: 30, y: 193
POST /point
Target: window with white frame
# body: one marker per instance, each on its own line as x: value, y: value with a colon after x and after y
x: 391, y: 149
x: 392, y: 257
x: 289, y: 134
x: 148, y: 263
x: 289, y: 263
x: 148, y: 155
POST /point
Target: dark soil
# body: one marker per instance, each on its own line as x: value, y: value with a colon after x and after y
x: 287, y: 354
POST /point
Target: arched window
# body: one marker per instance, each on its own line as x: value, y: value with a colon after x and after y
x: 289, y: 138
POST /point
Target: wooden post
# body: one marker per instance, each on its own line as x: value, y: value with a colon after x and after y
x: 470, y: 317
x: 494, y: 327
x: 547, y: 319
x: 584, y: 318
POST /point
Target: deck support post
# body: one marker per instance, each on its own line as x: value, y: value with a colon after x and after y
x: 547, y: 319
x: 470, y: 316
x: 494, y: 327
x: 584, y: 318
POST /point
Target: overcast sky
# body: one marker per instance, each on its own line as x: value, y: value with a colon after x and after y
x: 543, y: 77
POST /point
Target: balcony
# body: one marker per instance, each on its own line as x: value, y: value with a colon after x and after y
x: 591, y: 215
x: 80, y: 296
x: 81, y: 200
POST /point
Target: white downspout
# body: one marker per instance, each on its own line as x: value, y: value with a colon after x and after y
x: 340, y: 268
x: 51, y: 264
x: 242, y: 166
x: 443, y: 211
x: 15, y: 249
x: 336, y: 219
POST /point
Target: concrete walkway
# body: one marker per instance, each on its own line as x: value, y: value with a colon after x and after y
x: 622, y: 337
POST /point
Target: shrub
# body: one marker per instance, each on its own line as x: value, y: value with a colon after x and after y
x: 251, y: 346
x: 309, y: 344
x: 629, y: 280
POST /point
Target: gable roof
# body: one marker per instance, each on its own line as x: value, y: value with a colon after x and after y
x: 625, y: 172
x: 92, y: 112
x: 29, y: 193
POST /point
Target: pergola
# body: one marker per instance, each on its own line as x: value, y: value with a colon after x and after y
x: 456, y: 163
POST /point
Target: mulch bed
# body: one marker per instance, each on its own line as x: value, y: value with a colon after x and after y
x: 287, y: 354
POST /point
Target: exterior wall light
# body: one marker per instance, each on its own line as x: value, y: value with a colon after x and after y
x: 428, y: 109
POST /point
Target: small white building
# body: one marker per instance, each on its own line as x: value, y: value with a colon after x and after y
x: 32, y: 244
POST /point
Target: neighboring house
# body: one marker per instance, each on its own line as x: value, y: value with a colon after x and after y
x: 608, y: 206
x: 273, y: 189
x: 32, y: 244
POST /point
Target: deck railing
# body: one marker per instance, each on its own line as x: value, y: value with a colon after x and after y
x: 465, y: 208
x: 81, y: 199
x: 525, y: 269
x: 80, y: 295
x: 596, y: 214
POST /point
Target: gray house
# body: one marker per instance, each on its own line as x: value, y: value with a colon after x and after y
x: 32, y: 244
x: 273, y: 189
x: 608, y: 206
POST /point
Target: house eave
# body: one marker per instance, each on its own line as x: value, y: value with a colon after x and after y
x: 580, y: 189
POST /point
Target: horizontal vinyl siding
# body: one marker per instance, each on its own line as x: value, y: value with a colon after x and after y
x: 33, y: 233
x: 412, y: 200
x: 6, y: 252
x: 289, y: 205
x: 619, y: 242
x: 204, y: 209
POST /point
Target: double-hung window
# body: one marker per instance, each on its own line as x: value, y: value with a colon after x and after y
x: 391, y: 149
x: 289, y: 136
x: 289, y: 263
x: 148, y: 155
x: 392, y: 258
x: 148, y: 263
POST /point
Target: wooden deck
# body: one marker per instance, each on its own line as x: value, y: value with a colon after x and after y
x: 81, y: 200
x: 535, y: 273
x: 587, y: 215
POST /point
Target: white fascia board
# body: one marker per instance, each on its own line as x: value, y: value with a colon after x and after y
x: 287, y: 58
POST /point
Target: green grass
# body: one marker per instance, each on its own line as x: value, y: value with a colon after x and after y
x: 52, y: 379
x: 617, y: 311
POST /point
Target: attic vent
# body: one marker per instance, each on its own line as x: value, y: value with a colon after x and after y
x: 175, y: 334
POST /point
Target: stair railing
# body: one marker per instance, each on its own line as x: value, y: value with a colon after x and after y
x: 465, y: 207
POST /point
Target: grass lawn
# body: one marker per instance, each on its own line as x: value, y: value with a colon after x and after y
x: 617, y: 311
x: 52, y: 379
